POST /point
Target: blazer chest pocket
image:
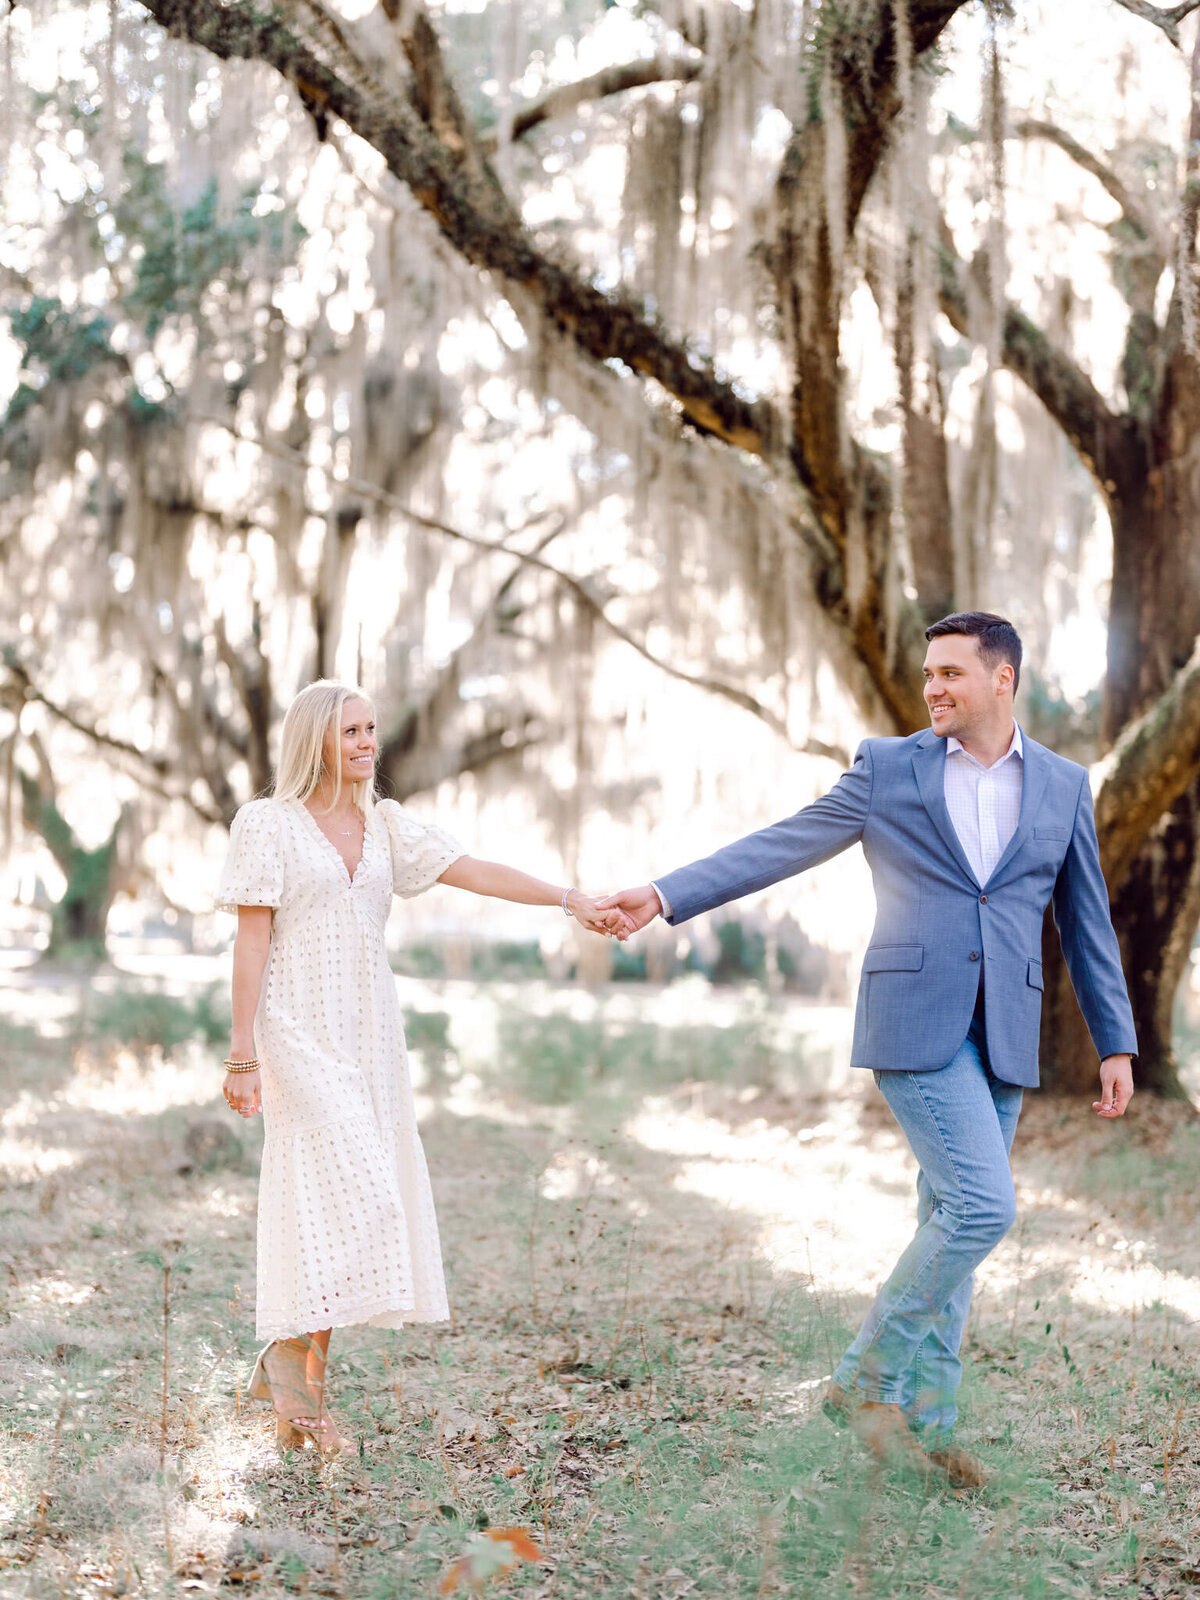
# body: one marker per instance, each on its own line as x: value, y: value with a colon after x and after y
x: 1058, y: 835
x: 894, y: 958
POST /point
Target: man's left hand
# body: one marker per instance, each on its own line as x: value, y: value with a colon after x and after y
x: 1116, y: 1086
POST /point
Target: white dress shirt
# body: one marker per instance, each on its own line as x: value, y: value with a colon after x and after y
x: 984, y: 802
x: 984, y: 805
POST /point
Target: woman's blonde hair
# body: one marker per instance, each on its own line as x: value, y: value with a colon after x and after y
x: 313, y: 715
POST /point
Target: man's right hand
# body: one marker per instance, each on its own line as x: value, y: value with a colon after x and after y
x: 640, y: 905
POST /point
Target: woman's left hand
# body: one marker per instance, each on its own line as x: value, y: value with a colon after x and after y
x: 588, y: 915
x: 243, y: 1092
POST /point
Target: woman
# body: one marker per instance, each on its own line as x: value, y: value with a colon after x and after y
x: 346, y: 1226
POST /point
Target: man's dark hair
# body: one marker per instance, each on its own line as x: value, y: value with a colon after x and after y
x: 998, y: 639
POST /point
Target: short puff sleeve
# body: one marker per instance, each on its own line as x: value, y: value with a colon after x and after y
x: 420, y: 852
x: 253, y: 874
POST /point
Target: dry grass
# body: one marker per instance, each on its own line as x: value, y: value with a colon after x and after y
x: 647, y: 1293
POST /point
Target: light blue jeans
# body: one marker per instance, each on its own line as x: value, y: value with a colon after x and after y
x: 960, y: 1123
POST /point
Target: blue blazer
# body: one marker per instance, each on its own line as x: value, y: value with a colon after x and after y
x: 935, y: 923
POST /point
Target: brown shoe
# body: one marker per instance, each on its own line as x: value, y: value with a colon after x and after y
x: 882, y: 1430
x: 838, y: 1405
x: 963, y: 1471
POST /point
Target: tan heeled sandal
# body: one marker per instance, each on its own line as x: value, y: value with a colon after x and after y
x: 335, y: 1440
x: 288, y: 1393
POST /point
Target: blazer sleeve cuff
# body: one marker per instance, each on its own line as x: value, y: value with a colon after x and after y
x: 1117, y: 1047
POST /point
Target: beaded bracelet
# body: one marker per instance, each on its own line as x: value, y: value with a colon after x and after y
x: 241, y: 1066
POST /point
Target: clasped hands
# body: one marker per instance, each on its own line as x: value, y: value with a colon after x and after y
x: 602, y: 915
x: 628, y: 911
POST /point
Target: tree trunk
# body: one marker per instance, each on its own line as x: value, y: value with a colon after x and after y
x: 849, y: 489
x: 1067, y: 1058
x: 1156, y: 910
x: 1153, y: 625
x: 79, y: 920
x: 329, y: 599
x: 1154, y: 611
x: 925, y: 467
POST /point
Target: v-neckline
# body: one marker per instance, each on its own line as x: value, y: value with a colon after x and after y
x: 325, y: 839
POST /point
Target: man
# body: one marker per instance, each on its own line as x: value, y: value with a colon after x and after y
x: 970, y: 830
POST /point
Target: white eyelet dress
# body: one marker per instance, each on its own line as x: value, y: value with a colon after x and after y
x: 346, y: 1225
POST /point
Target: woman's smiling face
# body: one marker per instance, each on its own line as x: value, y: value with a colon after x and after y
x: 357, y: 745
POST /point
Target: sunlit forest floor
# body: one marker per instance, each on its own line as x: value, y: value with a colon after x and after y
x: 659, y: 1233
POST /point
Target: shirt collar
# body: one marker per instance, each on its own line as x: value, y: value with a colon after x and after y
x: 1016, y: 748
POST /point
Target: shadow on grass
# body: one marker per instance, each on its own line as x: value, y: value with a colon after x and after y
x: 625, y: 1374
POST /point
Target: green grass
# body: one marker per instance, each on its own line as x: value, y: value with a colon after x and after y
x: 628, y: 1375
x: 1154, y: 1185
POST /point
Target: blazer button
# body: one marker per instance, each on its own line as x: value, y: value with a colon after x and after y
x: 983, y: 899
x: 974, y: 956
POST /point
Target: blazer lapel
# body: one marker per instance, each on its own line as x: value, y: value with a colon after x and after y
x: 1035, y: 776
x: 929, y: 767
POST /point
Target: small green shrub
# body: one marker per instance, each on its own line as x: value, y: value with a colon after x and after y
x: 743, y: 953
x: 629, y: 965
x: 419, y: 961
x: 149, y: 1018
x: 508, y: 958
x: 427, y: 1030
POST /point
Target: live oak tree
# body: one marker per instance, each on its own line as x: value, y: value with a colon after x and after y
x: 146, y: 606
x: 880, y: 545
x: 196, y: 458
x: 854, y: 68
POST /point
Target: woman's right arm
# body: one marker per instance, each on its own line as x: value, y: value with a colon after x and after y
x: 251, y: 948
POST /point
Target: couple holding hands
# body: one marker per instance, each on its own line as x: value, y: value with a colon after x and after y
x: 970, y: 828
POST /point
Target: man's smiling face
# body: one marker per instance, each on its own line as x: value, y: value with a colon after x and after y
x: 961, y: 690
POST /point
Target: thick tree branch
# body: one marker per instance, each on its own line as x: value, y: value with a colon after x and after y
x: 606, y: 327
x: 1142, y: 218
x: 208, y: 734
x: 251, y: 675
x: 39, y: 803
x: 438, y: 102
x: 41, y: 815
x: 1155, y: 760
x: 149, y: 770
x: 860, y: 99
x: 860, y: 74
x: 1065, y: 390
x: 576, y: 586
x: 871, y: 97
x: 568, y: 97
x: 419, y: 753
x: 30, y: 691
x: 1166, y: 18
